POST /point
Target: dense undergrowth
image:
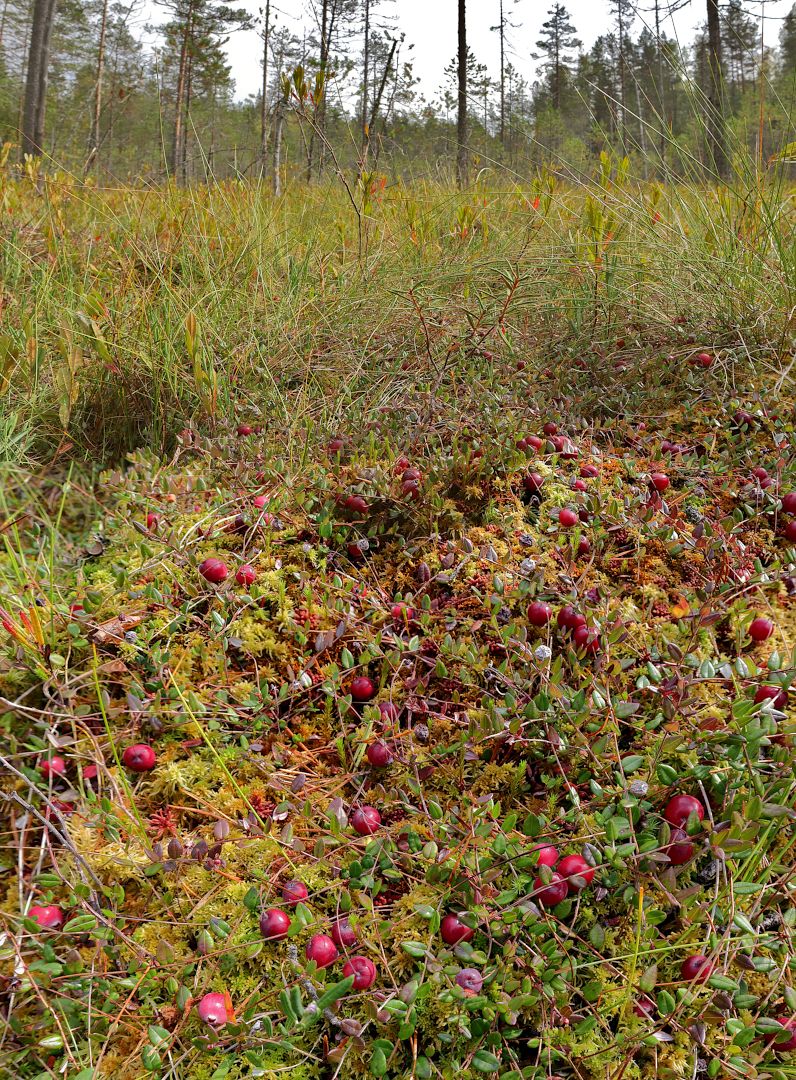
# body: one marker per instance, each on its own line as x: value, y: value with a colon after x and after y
x: 361, y: 442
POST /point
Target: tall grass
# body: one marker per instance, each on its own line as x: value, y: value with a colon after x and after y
x: 130, y: 314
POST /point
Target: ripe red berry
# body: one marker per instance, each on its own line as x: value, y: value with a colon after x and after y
x: 402, y: 613
x: 294, y: 892
x: 587, y: 471
x: 644, y: 1006
x: 322, y: 950
x: 274, y: 923
x: 742, y: 417
x: 411, y: 476
x: 246, y: 575
x: 152, y: 521
x: 681, y: 849
x: 356, y: 504
x: 760, y: 629
x: 389, y: 712
x: 379, y: 754
x: 567, y: 518
x: 48, y: 916
x: 579, y: 485
x: 362, y: 688
x: 533, y: 442
x: 213, y: 570
x: 453, y: 930
x: 470, y: 981
x: 52, y: 766
x: 696, y: 968
x: 212, y: 1009
x: 356, y: 550
x: 551, y: 893
x: 784, y: 1041
x: 660, y: 481
x: 365, y: 820
x: 539, y: 614
x: 574, y: 867
x: 760, y: 473
x: 343, y: 934
x: 335, y: 446
x: 139, y: 758
x: 789, y: 503
x: 704, y: 359
x: 585, y: 638
x: 533, y: 482
x: 565, y: 618
x: 777, y: 694
x: 546, y: 855
x: 550, y: 428
x: 680, y: 808
x: 584, y: 546
x: 789, y: 532
x: 363, y: 970
x: 244, y: 429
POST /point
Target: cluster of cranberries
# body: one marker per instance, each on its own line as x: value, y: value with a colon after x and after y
x: 789, y: 508
x: 678, y: 811
x: 568, y: 620
x: 571, y: 875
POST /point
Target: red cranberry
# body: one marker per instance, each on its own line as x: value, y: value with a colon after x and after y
x: 760, y: 473
x: 681, y: 848
x: 152, y: 521
x: 539, y: 614
x: 402, y: 613
x: 246, y: 575
x: 365, y: 820
x: 533, y: 483
x: 389, y: 712
x: 644, y: 1006
x: 696, y: 968
x: 552, y: 893
x: 139, y: 758
x: 574, y: 867
x: 411, y: 476
x: 703, y: 359
x: 244, y: 429
x: 546, y: 855
x: 789, y: 503
x: 356, y: 504
x: 772, y: 693
x: 567, y: 518
x: 470, y: 981
x: 550, y: 428
x: 760, y: 629
x: 401, y: 464
x: 585, y: 638
x: 584, y: 546
x: 212, y: 1009
x: 680, y: 808
x: 260, y: 501
x: 52, y: 766
x: 534, y: 442
x: 274, y: 923
x: 453, y: 930
x: 779, y: 1042
x: 587, y: 471
x: 48, y: 916
x: 355, y: 550
x: 789, y: 532
x: 336, y: 445
x: 565, y: 617
x: 322, y: 950
x: 742, y: 417
x: 363, y: 970
x: 362, y: 688
x: 558, y: 442
x: 294, y: 892
x: 379, y: 754
x: 660, y: 481
x: 213, y: 570
x: 90, y: 772
x: 579, y: 485
x: 343, y: 934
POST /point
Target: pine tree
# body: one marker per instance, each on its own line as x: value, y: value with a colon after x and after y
x: 558, y: 39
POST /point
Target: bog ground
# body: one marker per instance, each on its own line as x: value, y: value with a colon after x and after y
x: 399, y: 615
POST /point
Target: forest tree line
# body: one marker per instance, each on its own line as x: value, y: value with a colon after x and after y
x: 79, y: 87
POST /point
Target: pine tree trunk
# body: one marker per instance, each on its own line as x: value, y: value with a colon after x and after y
x: 461, y: 119
x: 35, y: 100
x: 365, y: 77
x: 502, y: 77
x: 94, y: 136
x: 279, y: 124
x: 264, y: 101
x: 716, y: 131
x: 175, y: 163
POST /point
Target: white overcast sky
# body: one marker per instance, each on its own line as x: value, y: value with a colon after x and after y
x: 430, y: 25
